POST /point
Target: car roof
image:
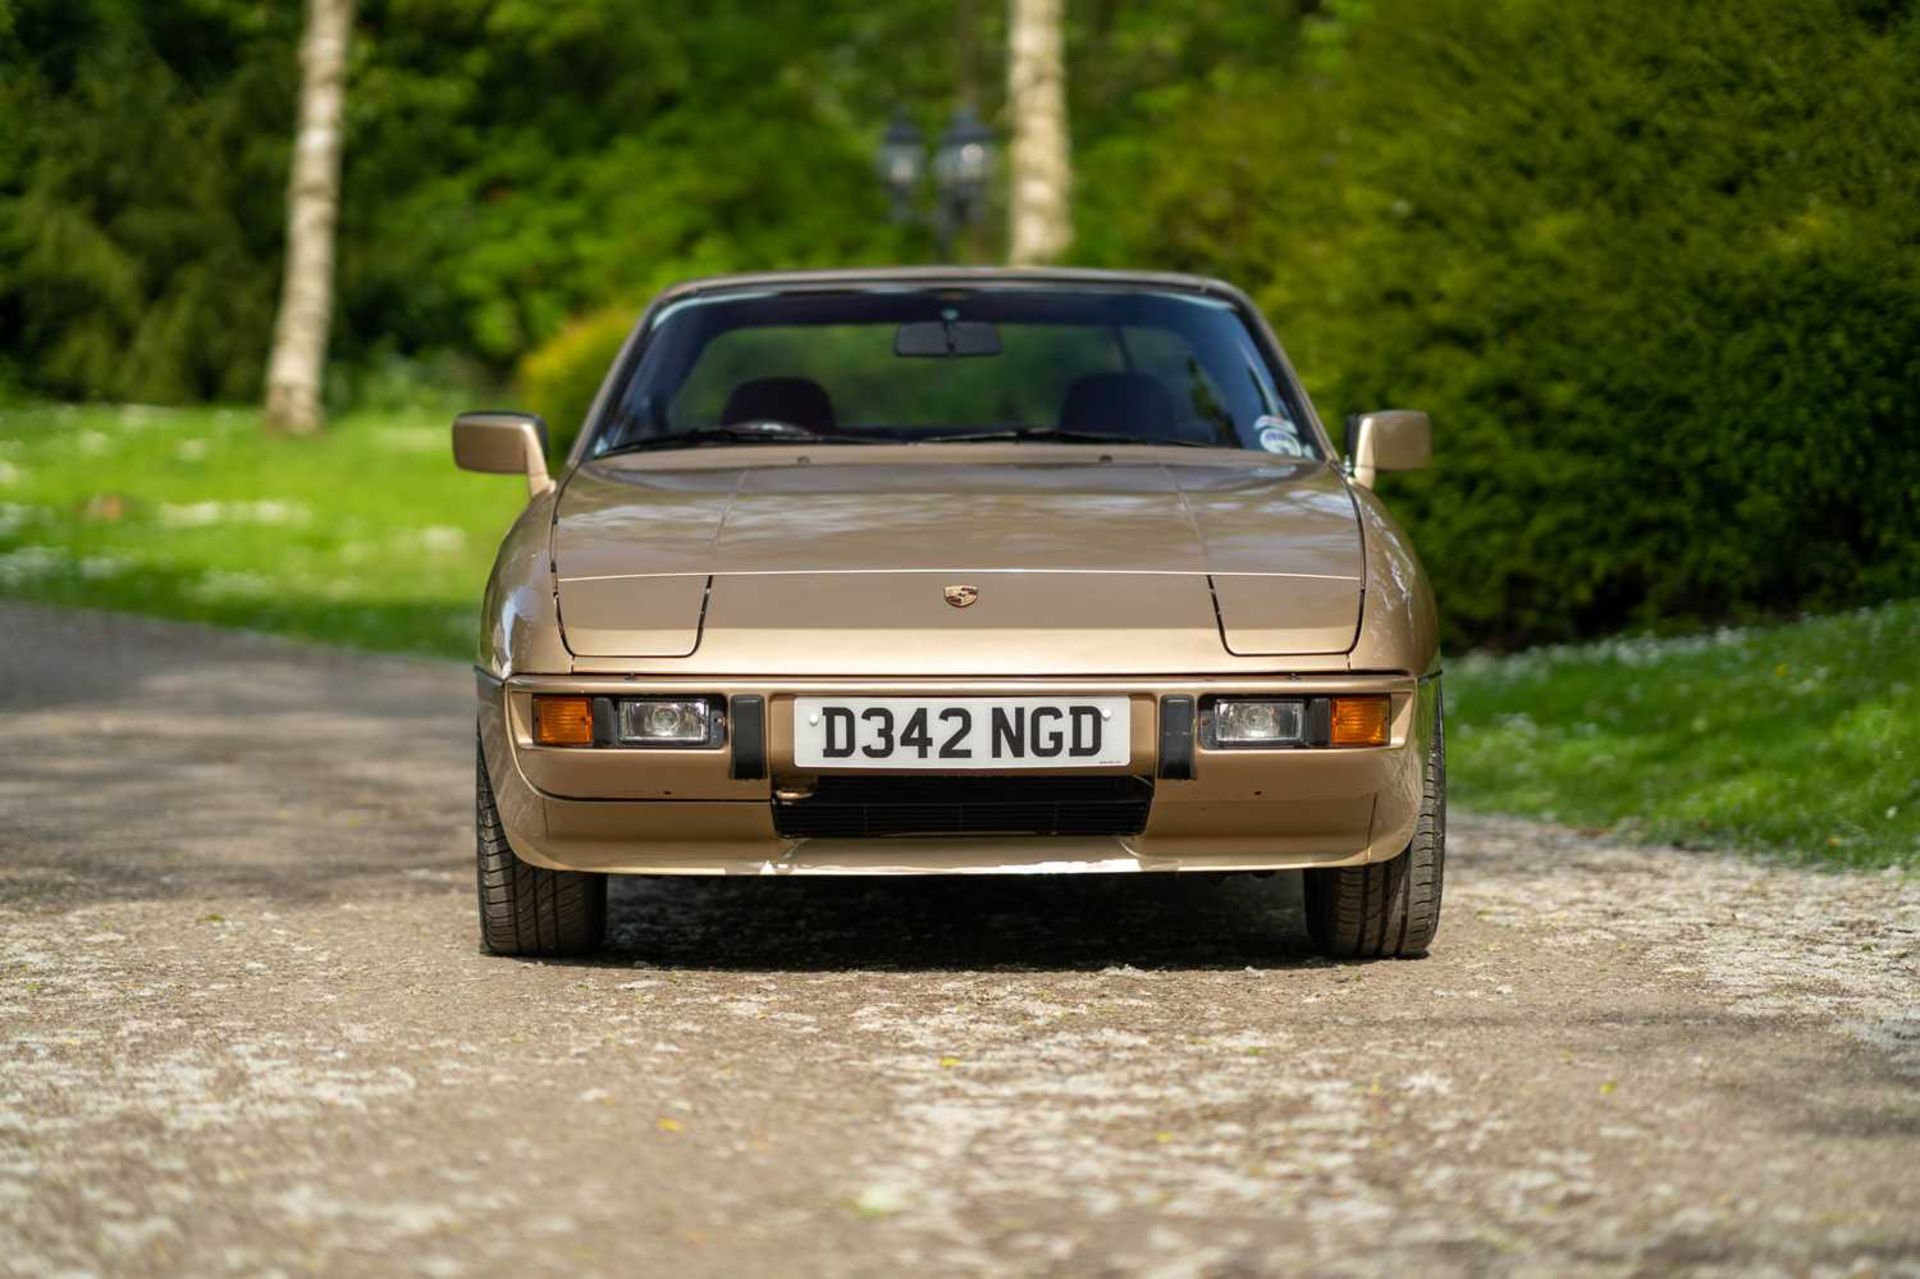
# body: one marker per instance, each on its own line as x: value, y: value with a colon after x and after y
x: 956, y: 276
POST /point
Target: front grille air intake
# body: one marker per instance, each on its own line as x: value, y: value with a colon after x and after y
x: 873, y: 807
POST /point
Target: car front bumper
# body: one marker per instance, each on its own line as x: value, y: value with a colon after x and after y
x: 682, y: 812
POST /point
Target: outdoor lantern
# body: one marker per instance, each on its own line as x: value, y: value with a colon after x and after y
x: 963, y: 162
x: 901, y: 159
x: 962, y: 169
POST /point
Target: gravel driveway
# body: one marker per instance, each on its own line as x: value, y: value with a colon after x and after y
x: 244, y: 1029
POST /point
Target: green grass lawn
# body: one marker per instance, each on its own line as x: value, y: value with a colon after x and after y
x: 1800, y: 739
x: 365, y: 536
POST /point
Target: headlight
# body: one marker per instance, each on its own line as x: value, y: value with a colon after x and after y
x: 659, y: 722
x: 1280, y: 723
x: 576, y: 719
x: 1238, y: 723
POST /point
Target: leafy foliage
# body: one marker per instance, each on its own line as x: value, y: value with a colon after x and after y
x: 1653, y: 268
x: 508, y: 166
x: 560, y: 377
x: 142, y: 165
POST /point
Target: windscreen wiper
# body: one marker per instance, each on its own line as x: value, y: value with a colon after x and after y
x: 759, y: 431
x: 1059, y: 434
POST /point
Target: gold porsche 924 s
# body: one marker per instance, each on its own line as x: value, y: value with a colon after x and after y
x: 955, y: 571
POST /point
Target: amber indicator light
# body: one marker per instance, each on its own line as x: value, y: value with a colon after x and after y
x: 1359, y: 721
x: 563, y: 721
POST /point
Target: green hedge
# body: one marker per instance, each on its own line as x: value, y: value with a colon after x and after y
x: 1653, y: 267
x: 560, y: 377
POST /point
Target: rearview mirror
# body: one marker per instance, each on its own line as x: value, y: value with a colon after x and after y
x: 502, y: 443
x: 1389, y: 440
x: 939, y: 338
x: 974, y: 337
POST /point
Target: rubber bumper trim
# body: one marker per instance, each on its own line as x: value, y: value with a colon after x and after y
x: 747, y: 716
x: 1176, y: 738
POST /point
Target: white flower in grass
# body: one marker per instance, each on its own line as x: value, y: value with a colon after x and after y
x: 411, y: 439
x: 219, y: 584
x: 14, y: 516
x: 30, y: 564
x: 95, y: 567
x: 189, y: 515
x: 266, y: 511
x: 137, y: 415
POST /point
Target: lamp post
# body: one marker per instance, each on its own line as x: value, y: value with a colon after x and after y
x: 962, y: 168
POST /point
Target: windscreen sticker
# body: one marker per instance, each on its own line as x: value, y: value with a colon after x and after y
x: 1278, y: 435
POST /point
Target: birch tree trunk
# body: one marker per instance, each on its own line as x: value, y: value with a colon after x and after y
x: 313, y: 208
x: 1040, y: 223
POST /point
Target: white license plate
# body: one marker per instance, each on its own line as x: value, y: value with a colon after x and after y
x: 956, y: 733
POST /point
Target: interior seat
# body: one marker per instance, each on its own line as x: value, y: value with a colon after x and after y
x: 799, y: 400
x: 1135, y: 404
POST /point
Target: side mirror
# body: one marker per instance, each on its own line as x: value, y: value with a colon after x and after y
x: 1390, y: 440
x: 503, y: 444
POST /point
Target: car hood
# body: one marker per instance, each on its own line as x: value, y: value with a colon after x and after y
x: 1142, y: 561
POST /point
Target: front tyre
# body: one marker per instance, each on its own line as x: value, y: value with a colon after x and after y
x: 1388, y: 909
x: 527, y: 909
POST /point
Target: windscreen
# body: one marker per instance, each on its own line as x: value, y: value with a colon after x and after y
x: 889, y: 365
